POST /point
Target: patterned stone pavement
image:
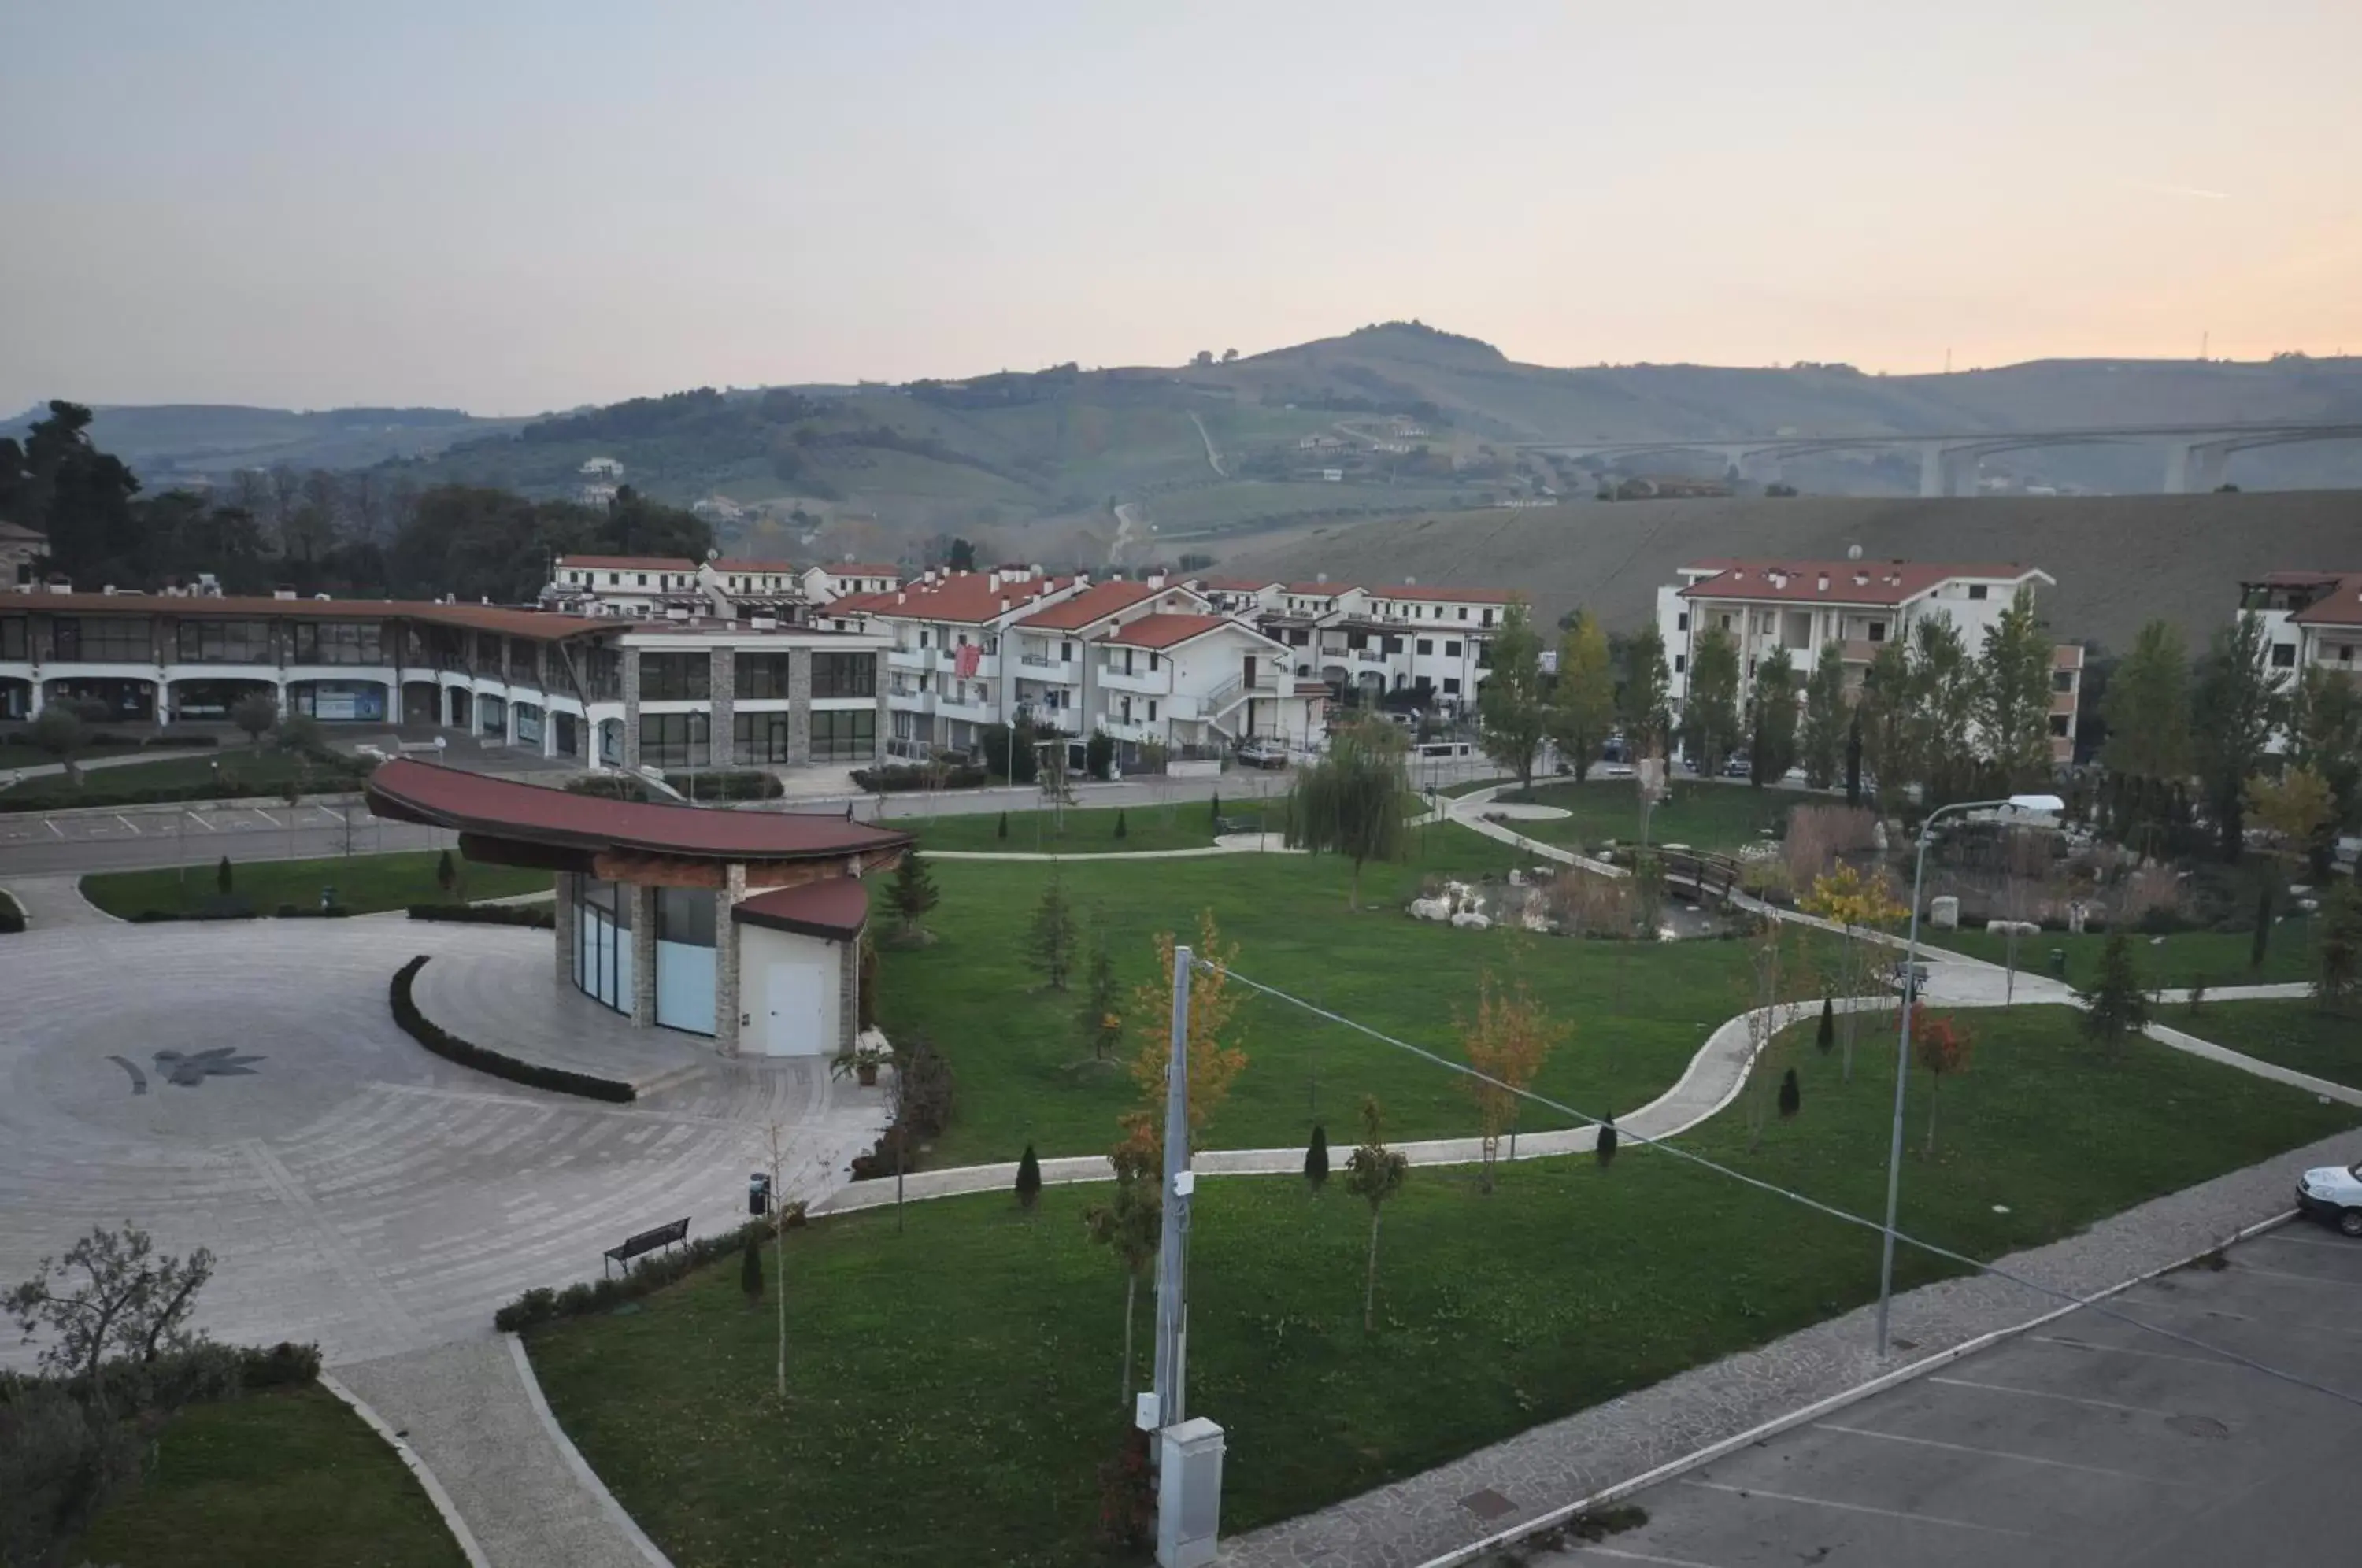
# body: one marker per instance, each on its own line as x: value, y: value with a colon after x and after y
x: 50, y: 901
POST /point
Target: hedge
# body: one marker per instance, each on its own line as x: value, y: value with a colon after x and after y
x: 609, y: 787
x: 237, y: 909
x: 896, y: 779
x: 649, y: 1275
x: 451, y: 1048
x: 12, y: 914
x: 728, y: 784
x: 541, y: 917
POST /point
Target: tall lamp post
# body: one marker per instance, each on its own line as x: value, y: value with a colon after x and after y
x: 1903, y: 1039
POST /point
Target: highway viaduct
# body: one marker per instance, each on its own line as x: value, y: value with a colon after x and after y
x: 2196, y: 455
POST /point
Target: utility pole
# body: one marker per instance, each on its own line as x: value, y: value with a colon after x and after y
x: 1172, y: 1254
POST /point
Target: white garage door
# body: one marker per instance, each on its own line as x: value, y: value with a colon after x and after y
x: 795, y: 994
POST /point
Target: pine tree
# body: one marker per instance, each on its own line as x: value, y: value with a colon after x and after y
x: 1316, y: 1158
x: 1511, y: 715
x: 2013, y: 696
x: 1120, y: 830
x: 1792, y: 1096
x: 1029, y: 1180
x: 2114, y: 1008
x: 1826, y: 1038
x: 2235, y: 706
x: 1214, y: 811
x: 1710, y: 712
x: 913, y: 892
x: 1771, y: 721
x: 222, y: 877
x: 1052, y: 940
x: 750, y: 1270
x: 447, y: 875
x: 1821, y: 743
x: 1644, y: 703
x: 1606, y: 1149
x: 1003, y: 831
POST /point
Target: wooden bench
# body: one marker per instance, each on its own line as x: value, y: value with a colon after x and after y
x: 1225, y: 825
x: 647, y: 1242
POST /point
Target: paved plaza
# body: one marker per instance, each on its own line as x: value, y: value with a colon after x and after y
x: 242, y: 1087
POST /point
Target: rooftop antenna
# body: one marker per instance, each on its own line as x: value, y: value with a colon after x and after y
x: 2204, y: 338
x: 1947, y: 362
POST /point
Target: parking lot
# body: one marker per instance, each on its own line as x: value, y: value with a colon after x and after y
x: 2085, y: 1441
x: 34, y: 844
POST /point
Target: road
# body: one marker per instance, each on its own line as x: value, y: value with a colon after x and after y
x: 2086, y: 1443
x: 1213, y: 460
x: 137, y: 836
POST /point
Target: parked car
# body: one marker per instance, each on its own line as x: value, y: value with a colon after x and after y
x: 2334, y: 1192
x: 1738, y: 768
x: 1262, y: 754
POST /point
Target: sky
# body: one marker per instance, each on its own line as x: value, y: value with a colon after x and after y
x: 510, y: 207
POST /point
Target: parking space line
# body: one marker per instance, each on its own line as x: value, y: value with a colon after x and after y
x: 1856, y: 1509
x: 1984, y: 1453
x: 50, y: 824
x: 265, y: 816
x: 200, y: 821
x: 2047, y: 1393
x: 1622, y: 1555
x: 2305, y: 1278
x: 2127, y: 1350
x: 127, y: 821
x: 2322, y: 1241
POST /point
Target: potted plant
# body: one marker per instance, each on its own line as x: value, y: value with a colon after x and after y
x: 862, y: 1064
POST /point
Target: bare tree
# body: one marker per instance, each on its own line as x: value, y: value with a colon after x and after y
x: 111, y: 1291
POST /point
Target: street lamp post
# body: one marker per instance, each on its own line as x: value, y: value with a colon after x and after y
x: 1902, y: 1038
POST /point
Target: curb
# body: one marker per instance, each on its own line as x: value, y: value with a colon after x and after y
x: 1824, y: 1405
x: 584, y: 1475
x: 418, y: 1468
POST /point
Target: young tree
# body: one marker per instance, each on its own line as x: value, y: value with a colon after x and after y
x: 2012, y: 694
x: 1941, y: 1043
x: 2115, y: 1008
x: 1944, y: 681
x: 1583, y: 705
x: 2294, y: 808
x: 1510, y: 708
x: 1710, y: 712
x: 914, y: 892
x: 1374, y: 1174
x: 1857, y: 903
x: 1316, y: 1158
x: 58, y: 731
x: 1214, y: 810
x: 1353, y: 801
x: 1101, y: 1014
x: 2338, y: 949
x: 1131, y: 1225
x: 1644, y: 705
x: 256, y: 713
x: 2147, y: 707
x: 1821, y: 745
x: 1216, y: 1048
x: 1507, y: 1040
x: 1052, y: 940
x: 222, y: 878
x: 750, y: 1270
x: 2324, y: 728
x: 447, y: 874
x: 1029, y: 1180
x: 1771, y: 720
x: 2235, y: 707
x: 1853, y: 757
x: 112, y: 1292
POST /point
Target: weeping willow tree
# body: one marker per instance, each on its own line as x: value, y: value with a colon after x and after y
x: 1357, y: 801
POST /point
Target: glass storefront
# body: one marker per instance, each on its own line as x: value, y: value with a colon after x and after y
x: 602, y: 942
x: 685, y: 952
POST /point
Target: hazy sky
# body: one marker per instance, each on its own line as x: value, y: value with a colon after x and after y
x: 509, y: 206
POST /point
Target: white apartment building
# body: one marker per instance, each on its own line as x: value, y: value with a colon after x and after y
x: 971, y: 650
x: 835, y: 580
x: 1858, y: 604
x: 649, y: 585
x: 2312, y: 619
x: 1377, y: 640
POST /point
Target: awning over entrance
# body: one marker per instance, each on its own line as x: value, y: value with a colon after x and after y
x: 836, y: 909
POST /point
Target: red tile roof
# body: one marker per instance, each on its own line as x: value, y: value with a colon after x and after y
x: 478, y: 617
x: 630, y: 563
x: 1095, y: 602
x: 837, y: 908
x: 414, y: 792
x: 969, y: 597
x: 1165, y: 631
x: 1850, y: 582
x: 2341, y: 606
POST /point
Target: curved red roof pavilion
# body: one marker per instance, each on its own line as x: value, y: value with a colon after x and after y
x: 644, y: 890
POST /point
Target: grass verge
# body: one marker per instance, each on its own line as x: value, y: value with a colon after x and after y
x: 227, y: 775
x: 2214, y: 958
x: 2294, y: 1033
x: 1180, y: 824
x: 280, y: 1479
x: 365, y: 884
x: 967, y: 1370
x: 1701, y: 814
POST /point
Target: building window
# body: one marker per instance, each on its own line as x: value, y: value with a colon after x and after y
x: 644, y: 579
x: 1977, y: 590
x: 14, y: 643
x: 1357, y: 640
x: 844, y: 734
x: 225, y: 642
x: 762, y: 675
x: 338, y: 641
x: 675, y: 678
x: 1451, y: 686
x: 1488, y: 617
x: 1463, y: 611
x: 1452, y: 650
x: 1425, y: 646
x: 2283, y: 655
x: 108, y: 641
x: 602, y: 674
x: 1152, y: 660
x: 685, y: 915
x: 2062, y: 680
x: 844, y: 675
x: 2059, y: 725
x: 1878, y: 631
x: 1680, y: 663
x: 759, y: 737
x: 1393, y: 644
x: 675, y: 740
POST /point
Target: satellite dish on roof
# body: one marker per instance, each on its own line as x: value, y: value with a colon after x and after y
x: 713, y: 553
x: 1853, y: 552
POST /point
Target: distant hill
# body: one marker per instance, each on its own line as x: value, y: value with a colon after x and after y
x: 163, y: 442
x: 1395, y: 418
x: 2120, y: 560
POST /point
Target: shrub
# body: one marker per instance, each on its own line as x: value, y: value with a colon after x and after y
x: 1003, y: 831
x: 750, y: 1269
x: 1098, y: 753
x: 540, y: 917
x: 896, y: 779
x: 1826, y: 1036
x: 650, y: 1274
x: 1120, y: 830
x: 1029, y: 1180
x: 451, y: 1048
x: 728, y: 784
x: 1316, y: 1158
x: 12, y: 914
x: 609, y: 787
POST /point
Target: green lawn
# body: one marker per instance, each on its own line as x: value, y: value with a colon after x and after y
x: 15, y: 753
x: 227, y: 775
x: 954, y: 1389
x: 1182, y: 824
x: 2293, y: 1034
x: 1700, y: 814
x: 286, y: 1478
x: 364, y: 883
x: 2185, y: 958
x: 1639, y: 1010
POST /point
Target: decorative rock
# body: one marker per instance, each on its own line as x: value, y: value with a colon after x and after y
x: 1469, y: 920
x: 2005, y: 927
x: 1944, y: 913
x: 1430, y: 909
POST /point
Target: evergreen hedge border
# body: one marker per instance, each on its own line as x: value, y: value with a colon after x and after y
x: 541, y: 917
x: 651, y: 1273
x: 451, y: 1048
x: 12, y: 913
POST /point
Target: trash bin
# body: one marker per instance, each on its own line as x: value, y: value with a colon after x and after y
x: 328, y: 897
x: 759, y: 1192
x: 2058, y: 963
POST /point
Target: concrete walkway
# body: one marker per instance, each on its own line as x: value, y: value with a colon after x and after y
x: 87, y: 763
x: 50, y: 901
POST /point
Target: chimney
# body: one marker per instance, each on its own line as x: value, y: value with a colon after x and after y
x: 1157, y: 580
x: 1825, y: 583
x: 1861, y: 579
x: 996, y: 579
